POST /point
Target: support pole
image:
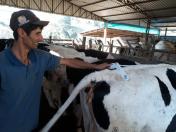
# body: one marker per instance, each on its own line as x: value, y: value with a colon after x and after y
x: 147, y: 32
x: 165, y: 34
x: 84, y: 43
x: 105, y: 34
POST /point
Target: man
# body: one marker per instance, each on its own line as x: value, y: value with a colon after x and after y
x: 21, y: 73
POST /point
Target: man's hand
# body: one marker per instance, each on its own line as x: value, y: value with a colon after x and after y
x: 75, y: 63
x: 102, y: 66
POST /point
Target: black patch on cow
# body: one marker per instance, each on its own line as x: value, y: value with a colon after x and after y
x: 172, y: 125
x: 120, y: 61
x: 94, y: 53
x: 101, y: 89
x: 171, y: 74
x: 42, y: 46
x: 74, y: 75
x: 164, y: 92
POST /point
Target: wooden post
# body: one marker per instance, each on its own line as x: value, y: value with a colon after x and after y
x: 100, y: 44
x: 165, y: 34
x: 110, y: 46
x: 50, y: 39
x: 147, y: 32
x: 105, y: 34
x: 90, y: 43
x: 84, y: 43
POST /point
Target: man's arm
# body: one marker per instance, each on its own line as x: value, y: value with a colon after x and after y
x: 83, y: 65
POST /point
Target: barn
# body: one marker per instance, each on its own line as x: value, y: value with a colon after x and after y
x: 125, y: 105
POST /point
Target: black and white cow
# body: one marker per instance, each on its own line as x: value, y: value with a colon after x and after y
x: 53, y: 88
x: 55, y: 85
x: 144, y: 103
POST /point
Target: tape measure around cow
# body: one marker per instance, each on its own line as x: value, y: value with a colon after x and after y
x: 119, y: 70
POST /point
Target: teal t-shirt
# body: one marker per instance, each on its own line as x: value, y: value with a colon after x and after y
x: 20, y: 89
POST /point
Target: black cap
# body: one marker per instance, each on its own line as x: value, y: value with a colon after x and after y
x: 24, y: 17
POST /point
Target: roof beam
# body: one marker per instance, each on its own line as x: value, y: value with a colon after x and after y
x: 50, y: 8
x: 168, y: 30
x: 163, y: 22
x: 63, y: 7
x: 127, y: 4
x: 38, y: 6
x: 14, y: 2
x: 92, y: 14
x: 135, y: 7
x: 165, y: 26
x: 57, y: 5
x: 142, y: 18
x: 159, y: 9
x: 93, y: 3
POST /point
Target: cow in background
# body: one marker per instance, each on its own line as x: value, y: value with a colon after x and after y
x: 5, y: 43
x: 2, y: 44
x: 54, y: 84
x: 67, y: 52
x: 168, y: 47
x: 94, y: 53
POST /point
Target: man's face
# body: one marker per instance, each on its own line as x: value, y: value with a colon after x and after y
x: 31, y: 40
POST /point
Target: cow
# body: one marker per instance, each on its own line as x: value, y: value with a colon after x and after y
x: 94, y: 53
x: 146, y: 102
x: 54, y: 86
x: 73, y: 76
x: 67, y: 52
x: 167, y: 47
x: 4, y: 43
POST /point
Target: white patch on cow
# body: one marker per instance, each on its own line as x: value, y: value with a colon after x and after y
x: 71, y: 53
x: 110, y: 56
x: 55, y: 53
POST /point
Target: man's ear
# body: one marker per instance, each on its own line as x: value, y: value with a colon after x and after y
x: 21, y: 32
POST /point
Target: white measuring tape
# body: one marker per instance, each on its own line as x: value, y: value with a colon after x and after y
x: 119, y: 70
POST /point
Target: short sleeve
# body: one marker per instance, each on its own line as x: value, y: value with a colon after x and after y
x: 45, y: 60
x: 53, y: 62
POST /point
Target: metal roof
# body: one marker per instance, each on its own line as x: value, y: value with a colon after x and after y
x: 160, y: 13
